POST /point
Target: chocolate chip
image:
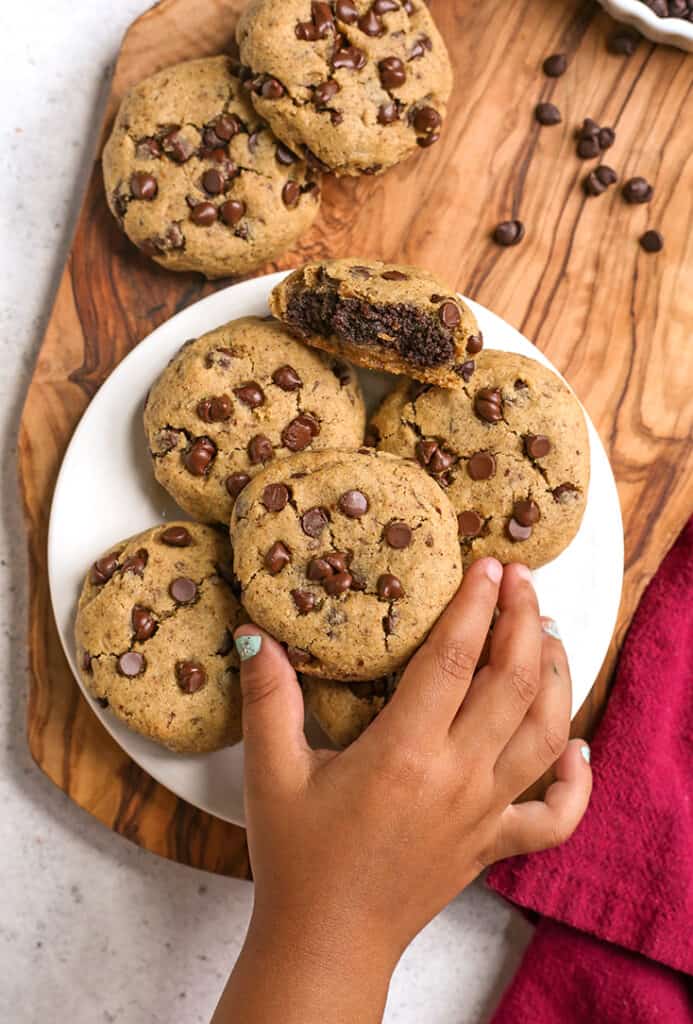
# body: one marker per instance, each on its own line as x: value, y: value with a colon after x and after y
x: 277, y: 558
x: 427, y: 120
x: 250, y: 394
x: 353, y: 504
x: 388, y: 113
x: 287, y: 379
x: 275, y: 497
x: 298, y: 657
x: 227, y: 125
x: 144, y: 624
x: 221, y: 357
x: 326, y: 91
x: 475, y: 343
x: 200, y: 456
x: 298, y: 434
x: 589, y: 129
x: 509, y: 232
x: 190, y: 676
x: 588, y: 148
x: 103, y: 569
x: 183, y: 590
x: 481, y: 466
x: 547, y: 114
x: 537, y: 446
x: 652, y: 241
x: 433, y: 457
x: 394, y: 275
x: 177, y: 146
x: 272, y: 89
x: 338, y: 584
x: 428, y: 140
x: 526, y: 513
x: 449, y: 314
x: 318, y: 570
x: 389, y: 587
x: 606, y: 175
x: 285, y: 156
x: 347, y: 11
x: 398, y: 535
x: 488, y: 405
x: 131, y: 664
x: 203, y: 214
x: 306, y: 31
x: 214, y: 410
x: 385, y: 6
x: 564, y: 493
x: 393, y: 73
x: 418, y: 50
x: 176, y: 537
x: 323, y: 19
x: 409, y: 7
x: 314, y: 521
x: 370, y: 24
x: 304, y: 600
x: 213, y: 182
x: 136, y: 563
x: 592, y: 186
x: 349, y: 57
x: 606, y: 137
x: 516, y: 531
x: 466, y: 370
x: 637, y: 190
x: 232, y: 211
x: 339, y: 560
x: 236, y: 482
x: 555, y: 65
x: 291, y: 193
x: 143, y: 186
x: 260, y: 449
x: 148, y: 149
x: 623, y: 43
x: 469, y: 524
x: 363, y: 272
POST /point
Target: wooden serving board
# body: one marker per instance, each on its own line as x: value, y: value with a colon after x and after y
x: 615, y: 320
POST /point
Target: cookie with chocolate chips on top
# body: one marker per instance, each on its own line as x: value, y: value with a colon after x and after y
x: 344, y: 710
x: 154, y: 636
x: 355, y: 86
x: 238, y: 398
x: 510, y: 450
x: 352, y: 567
x: 383, y: 316
x: 196, y: 178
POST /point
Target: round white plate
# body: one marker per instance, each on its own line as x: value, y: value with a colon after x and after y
x: 106, y: 492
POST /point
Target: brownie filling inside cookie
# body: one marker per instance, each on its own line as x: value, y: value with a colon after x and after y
x: 416, y: 336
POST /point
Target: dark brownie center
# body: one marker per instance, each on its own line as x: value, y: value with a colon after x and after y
x: 415, y: 335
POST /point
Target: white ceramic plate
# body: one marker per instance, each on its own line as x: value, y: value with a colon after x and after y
x: 674, y: 31
x: 106, y: 492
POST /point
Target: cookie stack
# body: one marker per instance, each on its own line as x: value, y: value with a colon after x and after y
x: 214, y: 165
x: 348, y: 539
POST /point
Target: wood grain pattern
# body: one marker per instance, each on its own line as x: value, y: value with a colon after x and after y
x: 616, y: 321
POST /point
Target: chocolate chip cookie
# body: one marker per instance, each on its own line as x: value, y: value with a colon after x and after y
x: 197, y: 180
x: 346, y: 557
x: 383, y: 316
x: 344, y: 710
x: 353, y: 85
x: 510, y: 450
x: 154, y: 636
x: 234, y: 400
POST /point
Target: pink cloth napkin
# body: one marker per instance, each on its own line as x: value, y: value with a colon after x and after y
x: 614, y: 941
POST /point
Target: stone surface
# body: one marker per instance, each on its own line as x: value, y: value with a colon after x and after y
x: 86, y: 914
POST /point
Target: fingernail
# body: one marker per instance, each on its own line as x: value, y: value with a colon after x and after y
x: 248, y: 646
x: 550, y: 626
x: 494, y: 570
x: 586, y: 753
x: 523, y: 572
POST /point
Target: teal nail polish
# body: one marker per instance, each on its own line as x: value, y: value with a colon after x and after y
x: 248, y: 646
x: 551, y: 628
x: 586, y: 753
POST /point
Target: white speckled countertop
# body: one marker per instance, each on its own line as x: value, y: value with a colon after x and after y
x: 90, y: 925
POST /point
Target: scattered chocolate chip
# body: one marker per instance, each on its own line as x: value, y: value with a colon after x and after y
x: 136, y: 563
x: 398, y: 535
x: 131, y: 664
x: 389, y: 587
x: 298, y: 657
x: 260, y: 449
x: 623, y: 42
x: 652, y: 241
x: 287, y: 379
x: 144, y: 624
x: 298, y: 434
x: 475, y: 343
x: 488, y: 405
x: 427, y: 140
x: 607, y: 137
x: 143, y: 186
x: 275, y: 497
x: 250, y: 394
x: 481, y: 466
x: 516, y: 531
x: 592, y: 186
x: 176, y: 537
x: 285, y: 155
x: 555, y: 65
x: 607, y: 175
x: 183, y: 590
x: 394, y: 275
x: 200, y: 456
x: 370, y: 24
x: 277, y: 557
x: 236, y: 482
x: 526, y: 513
x: 347, y: 11
x: 449, y: 315
x: 232, y: 211
x: 304, y: 601
x: 427, y: 120
x: 637, y: 190
x: 291, y: 193
x: 314, y: 521
x: 338, y: 584
x: 349, y: 57
x: 588, y: 148
x: 190, y: 676
x: 537, y: 446
x: 353, y: 504
x: 203, y: 214
x: 469, y: 524
x: 214, y: 410
x: 547, y: 114
x: 103, y: 569
x: 388, y: 113
x: 509, y: 232
x: 393, y: 73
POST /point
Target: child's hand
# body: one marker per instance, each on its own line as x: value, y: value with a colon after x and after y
x: 358, y: 850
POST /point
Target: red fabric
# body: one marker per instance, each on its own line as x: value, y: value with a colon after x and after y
x: 624, y: 881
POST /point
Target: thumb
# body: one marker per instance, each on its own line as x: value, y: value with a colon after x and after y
x: 275, y: 745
